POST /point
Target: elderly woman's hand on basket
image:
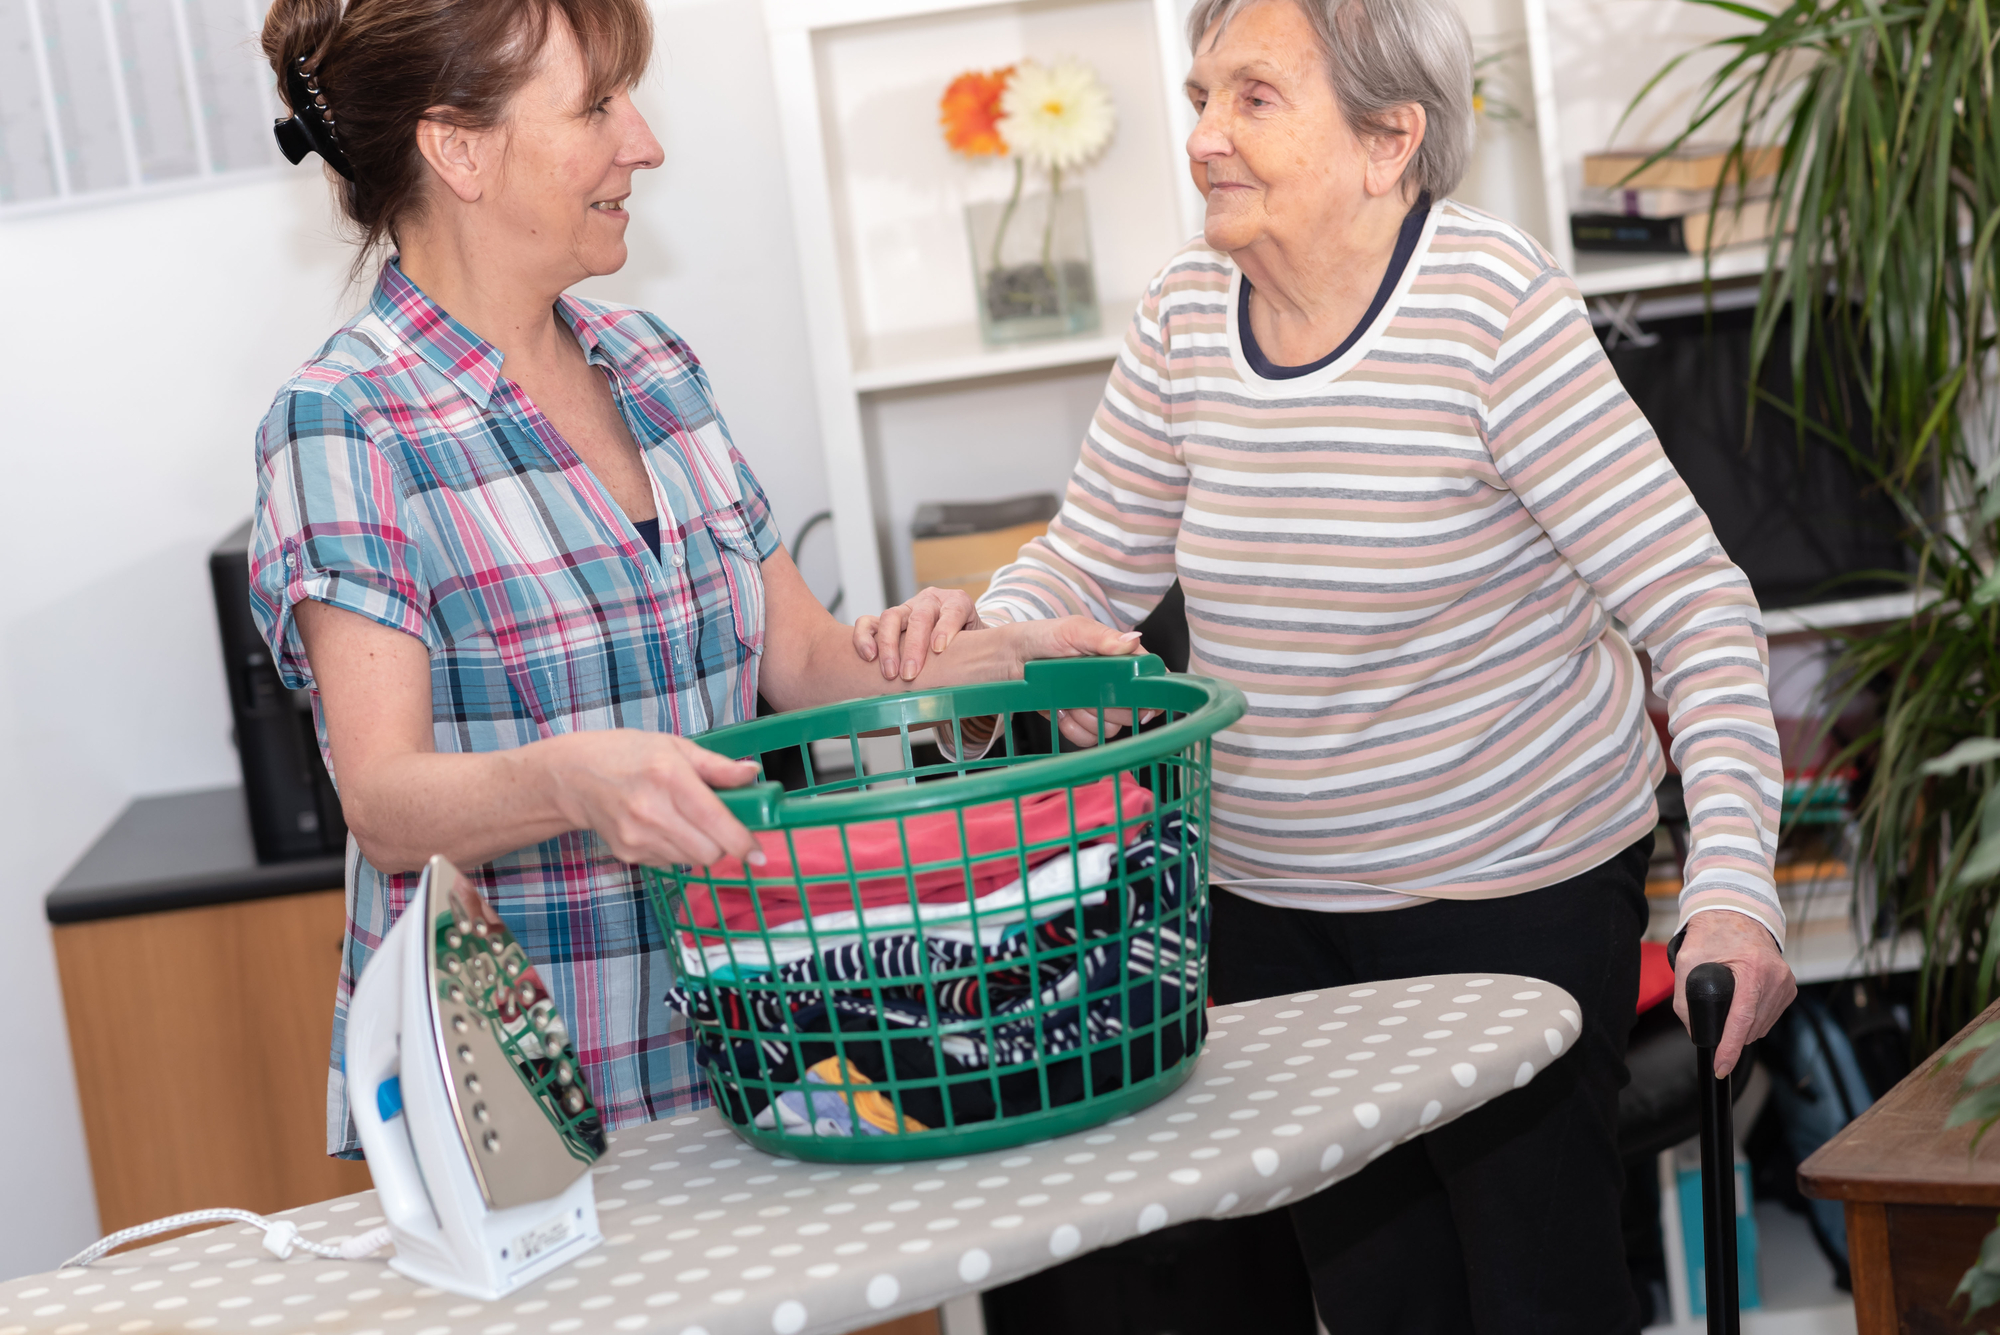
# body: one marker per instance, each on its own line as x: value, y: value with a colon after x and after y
x: 905, y: 637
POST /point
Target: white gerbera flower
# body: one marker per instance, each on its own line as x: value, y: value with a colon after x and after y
x: 1057, y: 116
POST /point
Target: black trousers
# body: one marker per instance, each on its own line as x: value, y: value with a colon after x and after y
x: 1506, y: 1219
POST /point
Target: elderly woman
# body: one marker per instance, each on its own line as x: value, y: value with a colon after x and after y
x: 1420, y: 524
x: 503, y: 535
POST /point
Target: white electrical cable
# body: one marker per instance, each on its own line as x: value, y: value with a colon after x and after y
x: 280, y: 1237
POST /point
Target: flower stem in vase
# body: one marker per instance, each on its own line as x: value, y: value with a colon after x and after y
x: 1049, y: 224
x: 1007, y: 215
x: 1056, y: 119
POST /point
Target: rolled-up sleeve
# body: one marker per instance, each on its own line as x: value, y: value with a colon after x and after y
x: 756, y: 509
x: 328, y: 526
x: 1578, y: 452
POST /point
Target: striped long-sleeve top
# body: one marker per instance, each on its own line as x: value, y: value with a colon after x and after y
x: 1415, y: 563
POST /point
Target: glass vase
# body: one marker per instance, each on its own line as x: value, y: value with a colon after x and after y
x: 1031, y: 261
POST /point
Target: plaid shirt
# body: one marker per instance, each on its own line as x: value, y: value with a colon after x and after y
x: 401, y: 477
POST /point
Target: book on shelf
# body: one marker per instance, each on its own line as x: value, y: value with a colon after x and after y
x: 1689, y: 167
x: 1694, y: 233
x: 1662, y: 202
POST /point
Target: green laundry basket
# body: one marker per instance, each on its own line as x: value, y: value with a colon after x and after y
x: 1033, y: 957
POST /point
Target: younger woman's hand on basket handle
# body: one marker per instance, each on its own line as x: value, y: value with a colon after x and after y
x: 647, y: 794
x: 906, y: 635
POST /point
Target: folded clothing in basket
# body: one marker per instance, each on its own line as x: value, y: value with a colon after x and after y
x: 994, y: 840
x: 1029, y: 1001
x: 1049, y: 888
x: 830, y: 1114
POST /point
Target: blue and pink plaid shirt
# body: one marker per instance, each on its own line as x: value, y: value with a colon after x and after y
x: 400, y: 476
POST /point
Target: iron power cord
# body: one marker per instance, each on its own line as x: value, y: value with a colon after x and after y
x: 280, y: 1237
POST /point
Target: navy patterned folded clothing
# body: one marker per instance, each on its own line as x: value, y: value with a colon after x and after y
x: 995, y: 1029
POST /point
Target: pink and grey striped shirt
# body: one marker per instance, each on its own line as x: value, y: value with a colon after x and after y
x: 1416, y: 563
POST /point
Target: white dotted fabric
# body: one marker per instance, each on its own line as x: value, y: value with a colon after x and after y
x: 704, y: 1236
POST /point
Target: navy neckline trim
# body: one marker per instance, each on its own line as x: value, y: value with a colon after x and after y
x: 1399, y: 260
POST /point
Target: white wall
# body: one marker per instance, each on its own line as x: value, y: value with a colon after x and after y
x: 140, y: 345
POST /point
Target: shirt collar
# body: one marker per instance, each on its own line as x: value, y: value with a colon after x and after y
x: 461, y: 356
x: 589, y: 326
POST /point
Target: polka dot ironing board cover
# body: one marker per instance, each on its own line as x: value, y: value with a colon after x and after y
x: 705, y: 1236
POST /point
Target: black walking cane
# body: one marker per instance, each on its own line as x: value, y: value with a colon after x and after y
x: 1710, y: 988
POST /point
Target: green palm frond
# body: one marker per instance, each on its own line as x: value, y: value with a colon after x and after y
x: 1889, y: 285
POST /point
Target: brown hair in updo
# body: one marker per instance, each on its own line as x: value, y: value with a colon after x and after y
x: 382, y: 64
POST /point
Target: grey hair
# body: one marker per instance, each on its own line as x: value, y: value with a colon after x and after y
x: 1383, y: 54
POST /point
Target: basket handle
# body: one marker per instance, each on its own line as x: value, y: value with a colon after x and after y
x: 1074, y: 673
x: 755, y: 804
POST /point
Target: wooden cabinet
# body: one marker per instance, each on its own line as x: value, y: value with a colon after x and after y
x: 200, y: 1039
x: 1918, y: 1202
x: 198, y: 984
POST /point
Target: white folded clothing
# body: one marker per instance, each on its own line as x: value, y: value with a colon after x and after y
x: 1051, y: 888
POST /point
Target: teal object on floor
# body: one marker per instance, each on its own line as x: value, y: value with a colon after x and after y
x: 1688, y: 1181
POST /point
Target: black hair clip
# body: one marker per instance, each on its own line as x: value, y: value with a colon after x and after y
x: 310, y: 129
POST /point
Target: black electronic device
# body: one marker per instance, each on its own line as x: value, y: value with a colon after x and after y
x: 294, y: 811
x: 1804, y: 525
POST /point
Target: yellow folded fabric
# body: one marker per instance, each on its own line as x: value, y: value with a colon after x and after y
x: 872, y: 1107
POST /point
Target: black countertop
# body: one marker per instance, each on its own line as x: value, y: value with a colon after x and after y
x: 181, y: 851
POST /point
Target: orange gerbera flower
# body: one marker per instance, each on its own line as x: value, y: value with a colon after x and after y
x: 970, y: 113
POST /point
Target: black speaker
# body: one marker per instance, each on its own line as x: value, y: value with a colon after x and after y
x: 294, y: 811
x: 1794, y: 514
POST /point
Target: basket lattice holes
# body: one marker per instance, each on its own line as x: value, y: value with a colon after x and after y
x: 966, y: 934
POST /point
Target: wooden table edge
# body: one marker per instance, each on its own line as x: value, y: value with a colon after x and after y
x: 1889, y: 1190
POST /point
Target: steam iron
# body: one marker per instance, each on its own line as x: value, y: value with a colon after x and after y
x: 479, y: 1131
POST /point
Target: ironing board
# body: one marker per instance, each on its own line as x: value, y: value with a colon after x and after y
x: 705, y: 1236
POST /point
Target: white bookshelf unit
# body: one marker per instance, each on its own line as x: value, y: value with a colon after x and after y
x: 1586, y: 59
x: 913, y: 406
x: 1598, y: 274
x: 1840, y: 614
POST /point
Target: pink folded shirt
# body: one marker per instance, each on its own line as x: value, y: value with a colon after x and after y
x: 993, y: 845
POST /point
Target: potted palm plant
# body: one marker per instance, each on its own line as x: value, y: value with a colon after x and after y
x: 1886, y: 286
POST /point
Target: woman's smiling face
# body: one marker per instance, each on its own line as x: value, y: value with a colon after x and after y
x: 1271, y: 153
x: 567, y: 165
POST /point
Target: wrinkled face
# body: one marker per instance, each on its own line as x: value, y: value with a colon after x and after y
x: 568, y: 164
x: 1271, y: 153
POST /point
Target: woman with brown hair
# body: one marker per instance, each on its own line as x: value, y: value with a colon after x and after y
x: 503, y: 535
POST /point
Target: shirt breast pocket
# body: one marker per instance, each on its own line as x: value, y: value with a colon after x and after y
x: 742, y: 570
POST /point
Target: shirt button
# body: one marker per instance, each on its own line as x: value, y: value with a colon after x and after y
x: 679, y: 560
x: 291, y: 561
